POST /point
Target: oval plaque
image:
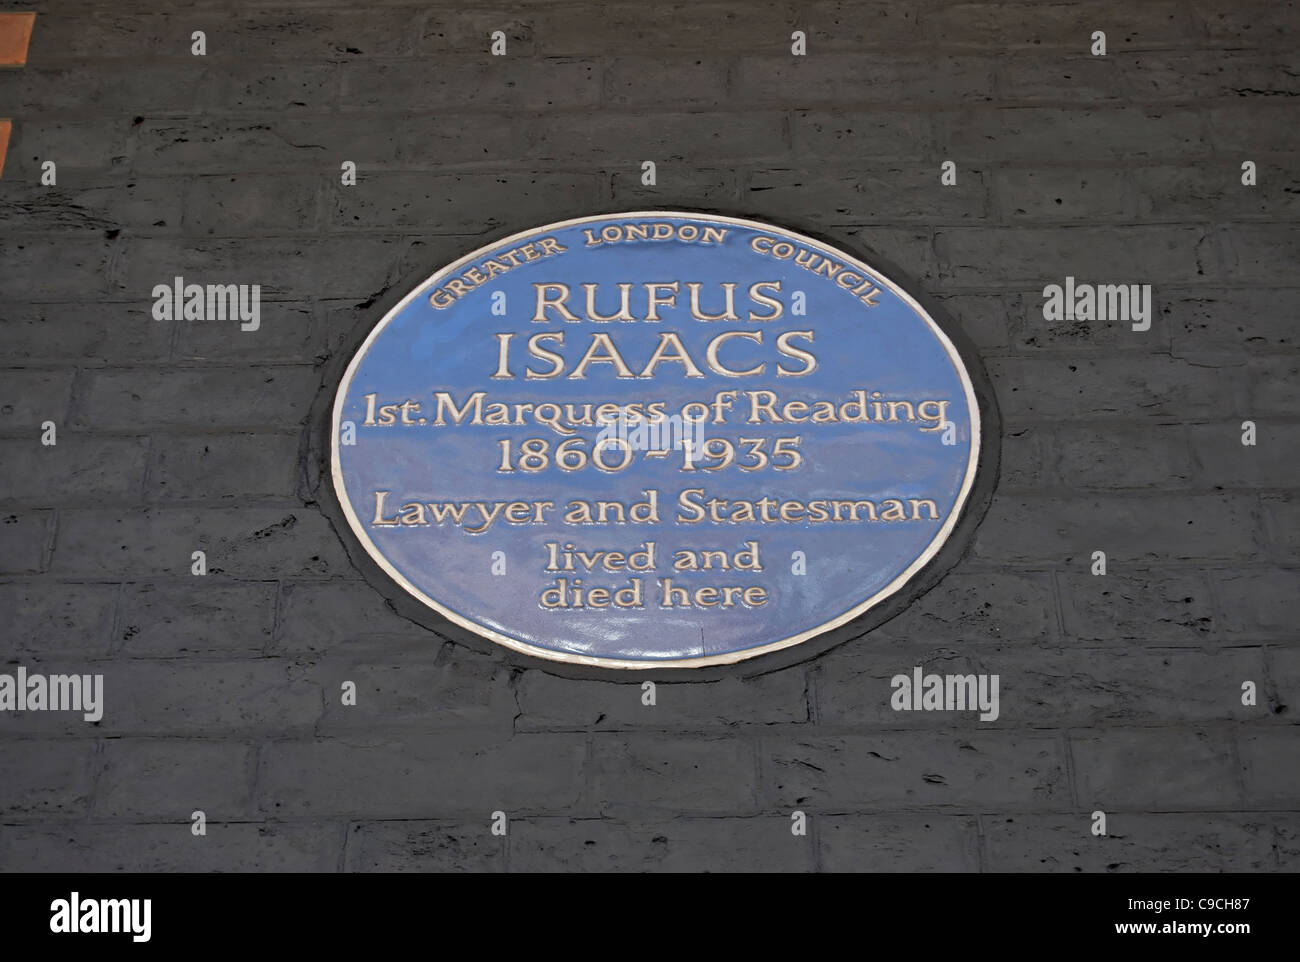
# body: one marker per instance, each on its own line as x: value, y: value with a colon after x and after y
x: 654, y: 439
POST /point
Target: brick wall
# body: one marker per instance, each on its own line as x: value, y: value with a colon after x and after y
x: 1119, y: 693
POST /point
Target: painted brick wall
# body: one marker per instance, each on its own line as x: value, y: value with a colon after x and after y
x: 1120, y: 693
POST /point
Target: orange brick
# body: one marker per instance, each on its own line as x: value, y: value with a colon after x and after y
x: 5, y: 127
x: 15, y: 34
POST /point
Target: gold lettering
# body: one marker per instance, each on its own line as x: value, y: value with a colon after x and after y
x: 729, y: 314
x: 652, y: 312
x: 666, y: 339
x: 625, y: 311
x: 711, y: 354
x: 543, y: 302
x: 611, y: 356
x: 783, y: 345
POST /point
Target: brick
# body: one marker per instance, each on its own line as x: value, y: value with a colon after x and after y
x: 888, y: 193
x: 969, y: 607
x: 1223, y: 461
x: 45, y: 778
x: 1134, y: 842
x: 467, y: 31
x: 197, y: 398
x: 1282, y: 695
x: 994, y: 257
x: 1057, y: 25
x: 172, y: 697
x: 551, y: 702
x: 114, y: 332
x: 1072, y: 80
x: 419, y: 261
x: 269, y: 87
x: 1251, y: 23
x: 761, y: 843
x: 77, y: 470
x: 567, y: 30
x: 656, y: 773
x: 1261, y: 252
x: 1272, y: 387
x: 171, y: 778
x: 1023, y: 459
x: 1065, y: 195
x: 23, y: 536
x: 418, y: 201
x: 332, y: 267
x: 884, y: 79
x: 422, y: 777
x: 858, y: 692
x: 175, y: 619
x: 1193, y: 76
x: 392, y: 694
x: 640, y: 81
x: 50, y: 618
x: 507, y: 82
x: 836, y: 136
x: 1049, y: 135
x: 677, y: 184
x: 74, y: 145
x: 77, y: 263
x: 1033, y: 333
x: 375, y: 139
x: 1250, y: 129
x: 901, y: 843
x: 910, y: 259
x: 286, y: 333
x: 1084, y: 458
x: 219, y: 145
x: 29, y: 398
x: 243, y: 543
x: 320, y: 617
x: 336, y: 324
x: 624, y: 137
x: 104, y: 204
x: 247, y: 203
x: 852, y: 25
x: 1270, y: 779
x: 316, y: 34
x: 88, y: 87
x: 109, y: 34
x: 1083, y: 688
x: 423, y: 845
x: 1286, y: 828
x: 1169, y: 770
x: 967, y: 772
x: 1256, y: 602
x: 1116, y: 387
x: 984, y: 318
x: 1132, y: 530
x: 1230, y: 321
x: 1155, y: 607
x: 1072, y: 688
x: 53, y: 724
x: 224, y: 467
x: 227, y: 847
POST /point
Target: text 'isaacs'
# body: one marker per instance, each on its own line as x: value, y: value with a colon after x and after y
x: 726, y: 353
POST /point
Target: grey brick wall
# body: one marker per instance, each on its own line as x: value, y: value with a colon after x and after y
x: 1119, y: 693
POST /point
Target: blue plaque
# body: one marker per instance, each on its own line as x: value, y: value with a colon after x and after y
x: 654, y: 440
